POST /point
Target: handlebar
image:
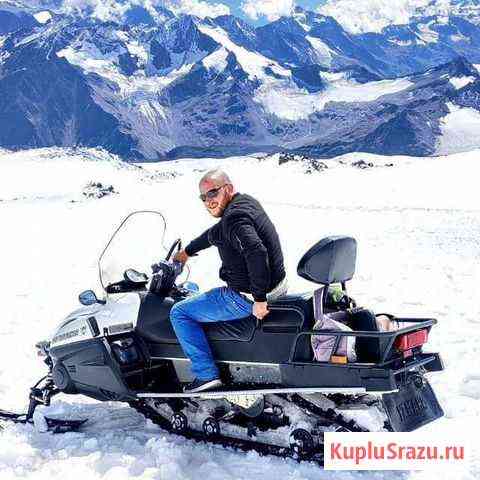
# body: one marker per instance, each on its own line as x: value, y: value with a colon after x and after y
x: 176, y: 244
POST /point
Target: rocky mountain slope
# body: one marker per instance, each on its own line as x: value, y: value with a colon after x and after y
x: 159, y: 85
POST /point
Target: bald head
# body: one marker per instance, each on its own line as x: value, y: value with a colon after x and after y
x: 216, y: 176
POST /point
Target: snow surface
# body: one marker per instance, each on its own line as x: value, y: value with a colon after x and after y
x: 427, y: 35
x: 43, y: 17
x: 254, y: 64
x: 216, y: 60
x: 459, y: 130
x: 418, y: 227
x: 460, y: 82
x: 293, y: 103
x: 323, y: 51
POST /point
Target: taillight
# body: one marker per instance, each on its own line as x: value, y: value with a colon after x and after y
x: 405, y: 343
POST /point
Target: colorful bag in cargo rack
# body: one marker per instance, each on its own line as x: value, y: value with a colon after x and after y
x: 323, y: 345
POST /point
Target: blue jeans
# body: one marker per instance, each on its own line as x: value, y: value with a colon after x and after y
x: 217, y: 305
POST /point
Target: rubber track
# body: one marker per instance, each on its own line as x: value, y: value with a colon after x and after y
x: 226, y: 442
x: 247, y: 445
x: 330, y: 414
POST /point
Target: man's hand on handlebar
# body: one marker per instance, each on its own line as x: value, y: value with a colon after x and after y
x: 181, y: 256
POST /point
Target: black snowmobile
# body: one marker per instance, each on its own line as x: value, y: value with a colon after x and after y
x: 276, y: 397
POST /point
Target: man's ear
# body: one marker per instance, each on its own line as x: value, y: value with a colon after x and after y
x: 230, y: 190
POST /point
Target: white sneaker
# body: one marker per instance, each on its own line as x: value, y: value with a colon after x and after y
x: 202, y: 385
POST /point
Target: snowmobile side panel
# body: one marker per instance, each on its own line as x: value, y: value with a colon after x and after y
x: 90, y: 369
x: 338, y: 376
x: 413, y: 406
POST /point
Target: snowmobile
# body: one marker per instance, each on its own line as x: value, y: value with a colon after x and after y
x: 276, y: 398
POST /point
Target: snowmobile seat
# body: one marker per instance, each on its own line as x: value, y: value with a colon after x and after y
x: 292, y: 312
x: 153, y: 323
x: 288, y: 314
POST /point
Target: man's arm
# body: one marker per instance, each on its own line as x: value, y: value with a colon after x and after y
x: 200, y: 243
x: 245, y: 239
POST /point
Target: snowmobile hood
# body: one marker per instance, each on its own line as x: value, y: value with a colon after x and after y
x: 119, y: 314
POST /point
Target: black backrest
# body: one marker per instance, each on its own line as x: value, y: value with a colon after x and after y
x: 331, y: 260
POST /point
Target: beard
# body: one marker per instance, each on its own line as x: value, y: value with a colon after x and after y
x: 218, y: 210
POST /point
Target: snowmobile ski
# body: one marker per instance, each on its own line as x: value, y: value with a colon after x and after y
x: 54, y: 425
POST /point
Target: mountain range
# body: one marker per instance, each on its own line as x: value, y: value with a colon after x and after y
x: 155, y: 86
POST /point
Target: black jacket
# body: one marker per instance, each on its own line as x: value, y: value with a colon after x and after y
x: 252, y: 259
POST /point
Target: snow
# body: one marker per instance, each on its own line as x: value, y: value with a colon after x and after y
x: 459, y: 130
x: 401, y: 43
x: 253, y: 63
x: 135, y: 48
x: 427, y: 35
x: 417, y: 223
x: 42, y: 17
x: 460, y: 82
x: 324, y: 53
x: 302, y: 20
x: 136, y: 101
x: 90, y: 59
x: 216, y: 60
x: 13, y: 7
x: 292, y: 103
x: 459, y: 38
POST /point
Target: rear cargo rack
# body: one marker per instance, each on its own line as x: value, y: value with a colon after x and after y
x: 387, y: 353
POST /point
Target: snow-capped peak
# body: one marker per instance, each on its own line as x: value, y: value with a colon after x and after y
x: 253, y: 63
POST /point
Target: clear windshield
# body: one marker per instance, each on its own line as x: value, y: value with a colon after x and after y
x: 138, y: 243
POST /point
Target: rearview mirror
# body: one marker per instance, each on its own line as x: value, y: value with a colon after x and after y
x: 88, y: 297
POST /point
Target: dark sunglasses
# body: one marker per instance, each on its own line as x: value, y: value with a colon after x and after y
x: 210, y: 194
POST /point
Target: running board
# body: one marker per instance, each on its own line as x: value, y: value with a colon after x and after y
x: 266, y: 391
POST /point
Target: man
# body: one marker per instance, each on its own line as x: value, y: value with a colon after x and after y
x: 252, y: 268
